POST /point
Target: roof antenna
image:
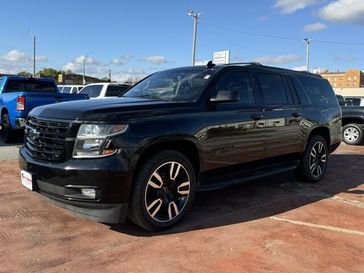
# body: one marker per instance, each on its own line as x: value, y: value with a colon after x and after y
x: 210, y: 65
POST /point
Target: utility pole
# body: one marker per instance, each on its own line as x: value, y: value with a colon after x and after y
x: 84, y: 68
x: 34, y: 43
x: 195, y: 16
x: 307, y: 42
x: 109, y: 75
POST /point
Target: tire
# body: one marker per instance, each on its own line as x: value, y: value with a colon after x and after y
x: 163, y: 192
x: 352, y: 134
x: 6, y: 130
x: 313, y: 164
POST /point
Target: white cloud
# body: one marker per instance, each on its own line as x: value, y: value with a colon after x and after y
x: 93, y: 66
x: 15, y: 56
x: 283, y: 59
x: 122, y: 59
x: 131, y: 74
x: 314, y: 27
x: 290, y: 6
x: 15, y: 61
x: 155, y: 59
x: 343, y: 11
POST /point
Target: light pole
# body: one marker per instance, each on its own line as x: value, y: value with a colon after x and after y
x: 84, y: 68
x: 195, y: 16
x: 307, y: 42
x: 34, y: 42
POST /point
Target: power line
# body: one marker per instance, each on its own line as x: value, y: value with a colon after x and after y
x: 245, y: 47
x: 251, y: 33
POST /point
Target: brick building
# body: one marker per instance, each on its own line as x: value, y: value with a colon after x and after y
x: 349, y: 79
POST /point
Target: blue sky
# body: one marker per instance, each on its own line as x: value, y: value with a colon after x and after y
x: 136, y: 38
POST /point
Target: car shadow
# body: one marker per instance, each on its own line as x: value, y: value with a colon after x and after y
x: 264, y: 197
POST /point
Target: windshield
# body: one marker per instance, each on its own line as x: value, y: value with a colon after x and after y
x: 182, y: 84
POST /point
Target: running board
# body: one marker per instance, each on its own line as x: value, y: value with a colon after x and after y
x: 244, y: 176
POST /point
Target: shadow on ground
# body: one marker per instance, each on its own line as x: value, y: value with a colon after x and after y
x: 264, y: 197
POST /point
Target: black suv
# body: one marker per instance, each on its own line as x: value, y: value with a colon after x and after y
x: 144, y: 155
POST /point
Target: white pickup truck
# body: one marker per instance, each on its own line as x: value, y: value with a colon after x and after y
x: 102, y: 90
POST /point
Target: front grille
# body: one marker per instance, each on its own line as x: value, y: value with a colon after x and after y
x: 45, y: 139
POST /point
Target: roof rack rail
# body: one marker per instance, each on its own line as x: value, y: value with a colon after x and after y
x: 254, y: 63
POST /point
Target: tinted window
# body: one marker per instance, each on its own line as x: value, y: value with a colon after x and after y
x: 30, y: 85
x: 303, y: 97
x: 318, y: 90
x: 273, y: 88
x: 66, y: 90
x: 352, y: 102
x: 92, y: 91
x: 239, y: 83
x: 115, y: 90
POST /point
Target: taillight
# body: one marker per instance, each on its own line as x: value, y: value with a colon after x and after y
x: 20, y: 103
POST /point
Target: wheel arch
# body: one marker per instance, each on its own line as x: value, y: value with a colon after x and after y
x: 187, y: 147
x: 323, y: 132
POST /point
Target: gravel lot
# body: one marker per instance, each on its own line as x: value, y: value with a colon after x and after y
x: 270, y: 225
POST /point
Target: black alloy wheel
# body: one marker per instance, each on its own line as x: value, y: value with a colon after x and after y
x: 313, y: 164
x: 163, y: 192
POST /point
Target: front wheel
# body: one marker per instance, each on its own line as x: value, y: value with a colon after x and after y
x: 163, y: 192
x: 352, y: 134
x: 312, y: 166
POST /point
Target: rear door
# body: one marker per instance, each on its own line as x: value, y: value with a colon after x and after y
x: 235, y: 130
x: 282, y: 115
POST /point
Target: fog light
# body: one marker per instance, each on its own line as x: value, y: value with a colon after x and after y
x: 90, y: 193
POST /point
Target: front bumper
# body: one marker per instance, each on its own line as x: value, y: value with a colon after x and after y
x: 62, y: 184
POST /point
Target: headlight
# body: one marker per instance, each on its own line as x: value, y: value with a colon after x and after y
x: 92, y: 140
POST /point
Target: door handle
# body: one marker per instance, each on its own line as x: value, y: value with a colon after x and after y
x: 296, y: 114
x: 257, y: 117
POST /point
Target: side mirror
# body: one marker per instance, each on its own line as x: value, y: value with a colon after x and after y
x: 225, y: 96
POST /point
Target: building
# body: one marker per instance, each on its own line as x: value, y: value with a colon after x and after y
x: 349, y: 79
x: 349, y: 92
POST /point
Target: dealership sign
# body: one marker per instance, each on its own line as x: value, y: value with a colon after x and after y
x: 221, y: 57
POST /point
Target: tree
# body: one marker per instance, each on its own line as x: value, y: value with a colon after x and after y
x: 24, y: 74
x: 49, y: 72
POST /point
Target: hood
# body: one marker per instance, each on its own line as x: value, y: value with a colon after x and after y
x: 108, y: 109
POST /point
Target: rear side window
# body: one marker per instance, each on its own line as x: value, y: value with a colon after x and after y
x: 115, y: 90
x: 273, y: 89
x: 318, y: 90
x: 92, y: 91
x: 30, y: 85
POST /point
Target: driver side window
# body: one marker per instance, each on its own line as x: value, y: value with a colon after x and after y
x: 239, y: 83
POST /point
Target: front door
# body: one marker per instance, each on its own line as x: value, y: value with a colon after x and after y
x: 235, y: 131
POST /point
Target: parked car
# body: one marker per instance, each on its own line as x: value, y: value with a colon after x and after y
x: 102, y: 90
x: 352, y: 122
x: 70, y: 89
x: 19, y: 95
x: 354, y: 101
x: 145, y: 154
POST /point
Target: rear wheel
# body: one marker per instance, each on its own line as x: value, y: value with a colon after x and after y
x: 313, y: 164
x: 163, y: 192
x: 352, y: 134
x: 6, y: 131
